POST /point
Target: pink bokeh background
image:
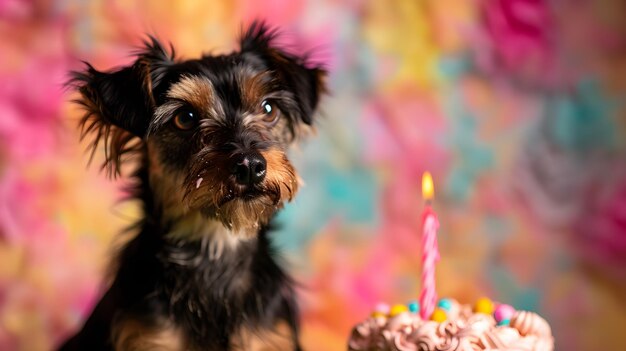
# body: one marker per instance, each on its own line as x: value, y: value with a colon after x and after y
x: 515, y: 106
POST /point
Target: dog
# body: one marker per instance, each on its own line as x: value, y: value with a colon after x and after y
x: 209, y: 138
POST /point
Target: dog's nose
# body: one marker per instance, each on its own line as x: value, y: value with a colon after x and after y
x: 249, y: 168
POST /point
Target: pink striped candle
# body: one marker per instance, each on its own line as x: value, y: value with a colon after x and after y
x: 430, y: 250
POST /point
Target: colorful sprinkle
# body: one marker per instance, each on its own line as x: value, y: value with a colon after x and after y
x: 483, y: 305
x: 445, y: 304
x: 378, y: 315
x: 414, y: 306
x: 504, y: 322
x: 439, y: 315
x: 397, y: 309
x: 382, y: 308
x: 503, y: 313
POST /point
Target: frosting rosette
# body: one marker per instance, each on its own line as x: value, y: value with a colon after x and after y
x: 530, y: 323
x: 368, y: 335
x: 463, y: 330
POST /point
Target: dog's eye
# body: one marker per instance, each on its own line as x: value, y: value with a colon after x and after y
x: 270, y: 112
x: 185, y: 119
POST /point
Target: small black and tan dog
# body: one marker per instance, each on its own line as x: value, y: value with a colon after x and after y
x: 211, y: 136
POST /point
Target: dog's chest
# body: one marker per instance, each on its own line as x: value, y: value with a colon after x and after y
x: 198, y: 299
x: 202, y: 288
x: 220, y: 300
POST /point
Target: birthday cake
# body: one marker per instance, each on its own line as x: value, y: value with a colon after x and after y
x: 445, y: 324
x: 452, y: 326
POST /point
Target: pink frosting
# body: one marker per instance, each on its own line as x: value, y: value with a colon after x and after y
x: 529, y: 323
x: 462, y: 331
x: 426, y: 336
x: 499, y: 338
x: 368, y: 335
x: 403, y: 322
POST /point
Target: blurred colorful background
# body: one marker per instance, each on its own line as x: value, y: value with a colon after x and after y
x: 515, y: 106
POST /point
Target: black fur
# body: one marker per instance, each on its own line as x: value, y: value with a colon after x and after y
x: 158, y: 277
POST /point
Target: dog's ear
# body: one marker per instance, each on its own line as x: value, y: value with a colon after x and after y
x: 119, y: 104
x: 305, y: 81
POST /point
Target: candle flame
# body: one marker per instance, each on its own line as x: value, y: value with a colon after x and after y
x: 428, y: 188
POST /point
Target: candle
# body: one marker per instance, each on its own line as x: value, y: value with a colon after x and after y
x: 430, y: 250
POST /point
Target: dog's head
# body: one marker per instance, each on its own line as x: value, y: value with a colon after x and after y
x: 215, y: 130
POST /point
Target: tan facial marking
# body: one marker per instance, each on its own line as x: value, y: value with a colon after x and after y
x: 281, y: 172
x: 198, y: 91
x: 253, y: 89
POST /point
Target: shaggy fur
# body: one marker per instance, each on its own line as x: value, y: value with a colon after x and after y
x: 200, y: 274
